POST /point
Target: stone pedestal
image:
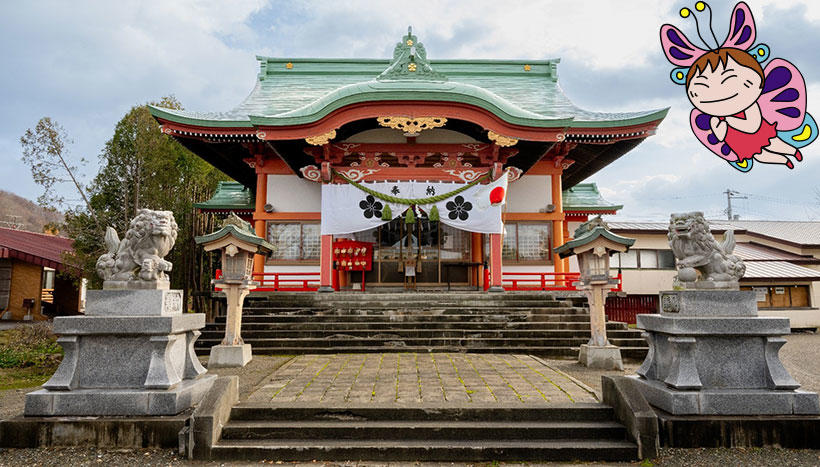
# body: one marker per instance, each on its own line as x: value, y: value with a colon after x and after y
x: 132, y: 354
x: 607, y: 357
x: 229, y: 356
x: 709, y: 353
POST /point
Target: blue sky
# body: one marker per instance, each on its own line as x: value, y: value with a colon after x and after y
x: 86, y: 63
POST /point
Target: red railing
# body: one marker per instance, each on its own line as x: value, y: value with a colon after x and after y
x: 529, y: 281
x: 287, y: 281
x: 282, y: 281
x: 523, y: 281
x: 625, y: 309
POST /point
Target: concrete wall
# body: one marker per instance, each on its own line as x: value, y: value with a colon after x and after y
x: 530, y: 193
x: 26, y: 282
x: 287, y: 193
x: 646, y: 281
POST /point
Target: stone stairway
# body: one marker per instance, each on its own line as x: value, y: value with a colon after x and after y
x: 579, y: 432
x: 531, y: 323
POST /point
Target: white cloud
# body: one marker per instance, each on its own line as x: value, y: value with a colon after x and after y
x: 86, y: 63
x: 599, y: 34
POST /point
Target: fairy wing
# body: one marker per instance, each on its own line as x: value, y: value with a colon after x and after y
x: 801, y: 136
x: 741, y: 29
x: 677, y: 48
x: 783, y: 101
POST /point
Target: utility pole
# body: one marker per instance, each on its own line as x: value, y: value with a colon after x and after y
x: 730, y: 194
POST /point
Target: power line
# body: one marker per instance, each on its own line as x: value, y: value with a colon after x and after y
x: 731, y: 194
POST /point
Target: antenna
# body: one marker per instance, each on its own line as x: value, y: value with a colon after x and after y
x: 731, y: 194
x: 11, y: 222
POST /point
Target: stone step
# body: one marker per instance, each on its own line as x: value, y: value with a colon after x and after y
x: 424, y: 325
x: 428, y: 309
x: 365, y: 302
x: 407, y: 295
x: 398, y: 318
x: 249, y: 334
x: 421, y: 430
x: 581, y: 411
x: 633, y: 353
x: 341, y: 341
x: 477, y: 450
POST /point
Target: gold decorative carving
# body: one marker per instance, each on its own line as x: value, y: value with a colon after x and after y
x: 411, y: 126
x: 319, y: 140
x: 289, y: 65
x: 503, y: 141
x: 527, y: 68
x: 411, y: 66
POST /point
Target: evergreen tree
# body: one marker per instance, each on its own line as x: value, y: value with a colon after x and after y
x: 140, y: 167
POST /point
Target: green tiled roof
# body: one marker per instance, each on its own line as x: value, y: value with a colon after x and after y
x: 240, y: 229
x: 585, y: 197
x: 229, y: 196
x: 589, y: 231
x: 292, y: 91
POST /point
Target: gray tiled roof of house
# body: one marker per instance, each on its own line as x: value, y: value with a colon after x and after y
x: 754, y: 252
x: 778, y: 270
x: 800, y: 232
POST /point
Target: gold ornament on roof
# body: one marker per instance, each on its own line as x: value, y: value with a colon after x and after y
x: 289, y: 65
x: 411, y: 126
x: 410, y: 62
x: 319, y: 140
x: 503, y: 141
x: 527, y: 68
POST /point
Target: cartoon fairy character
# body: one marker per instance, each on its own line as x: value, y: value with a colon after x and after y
x: 743, y: 112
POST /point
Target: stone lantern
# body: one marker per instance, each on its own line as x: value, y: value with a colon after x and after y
x: 593, y: 243
x: 238, y: 243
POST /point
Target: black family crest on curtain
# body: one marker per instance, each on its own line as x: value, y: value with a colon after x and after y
x: 459, y: 208
x: 371, y: 207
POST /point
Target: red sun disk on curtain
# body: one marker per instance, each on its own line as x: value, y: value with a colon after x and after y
x: 497, y: 195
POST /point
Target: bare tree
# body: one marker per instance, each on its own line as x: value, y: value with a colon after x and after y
x: 44, y: 151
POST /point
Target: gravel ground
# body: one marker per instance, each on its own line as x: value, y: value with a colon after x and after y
x: 800, y: 355
x: 148, y: 457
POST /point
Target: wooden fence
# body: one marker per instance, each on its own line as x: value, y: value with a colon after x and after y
x: 625, y: 309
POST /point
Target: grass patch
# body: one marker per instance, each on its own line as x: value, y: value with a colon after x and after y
x: 17, y: 378
x: 31, y: 345
x: 29, y: 355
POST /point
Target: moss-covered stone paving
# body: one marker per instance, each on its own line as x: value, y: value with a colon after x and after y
x: 426, y: 379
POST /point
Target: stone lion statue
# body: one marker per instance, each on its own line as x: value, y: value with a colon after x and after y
x: 702, y: 262
x: 139, y: 256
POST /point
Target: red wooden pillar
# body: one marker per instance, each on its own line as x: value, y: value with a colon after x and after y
x: 326, y: 264
x: 558, y: 225
x: 258, y: 221
x: 476, y: 256
x: 495, y: 263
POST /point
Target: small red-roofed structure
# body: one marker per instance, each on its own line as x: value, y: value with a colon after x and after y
x: 31, y: 287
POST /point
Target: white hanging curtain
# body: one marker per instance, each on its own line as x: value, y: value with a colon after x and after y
x: 347, y: 209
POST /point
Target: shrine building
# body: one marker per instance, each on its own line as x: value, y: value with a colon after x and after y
x: 442, y: 168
